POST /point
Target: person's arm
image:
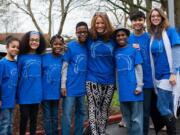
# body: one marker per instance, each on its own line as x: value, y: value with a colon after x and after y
x: 139, y: 78
x: 176, y: 63
x: 176, y: 58
x: 64, y: 78
x: 1, y: 74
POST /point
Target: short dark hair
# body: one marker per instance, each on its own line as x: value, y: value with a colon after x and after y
x: 81, y: 24
x: 10, y: 39
x: 136, y: 14
x: 25, y: 48
x: 54, y: 37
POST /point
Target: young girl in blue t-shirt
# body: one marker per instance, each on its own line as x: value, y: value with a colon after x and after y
x: 163, y: 39
x: 51, y: 78
x: 8, y: 85
x: 29, y: 93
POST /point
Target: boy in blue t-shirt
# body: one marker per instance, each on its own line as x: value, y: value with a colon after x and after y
x: 140, y: 39
x: 73, y: 81
x: 8, y: 85
x: 130, y: 82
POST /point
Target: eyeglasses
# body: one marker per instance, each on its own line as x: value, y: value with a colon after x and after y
x: 155, y: 16
x: 33, y: 39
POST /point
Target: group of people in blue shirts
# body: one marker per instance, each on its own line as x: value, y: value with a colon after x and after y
x: 140, y: 63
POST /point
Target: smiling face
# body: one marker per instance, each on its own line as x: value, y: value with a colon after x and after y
x: 34, y: 42
x: 82, y: 33
x: 155, y: 18
x: 100, y: 25
x: 13, y: 48
x: 121, y: 38
x: 138, y: 24
x: 57, y: 46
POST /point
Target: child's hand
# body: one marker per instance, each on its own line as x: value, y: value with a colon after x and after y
x: 63, y: 92
x: 137, y: 92
x: 172, y: 79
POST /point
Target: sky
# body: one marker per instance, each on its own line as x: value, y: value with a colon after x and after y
x: 20, y: 22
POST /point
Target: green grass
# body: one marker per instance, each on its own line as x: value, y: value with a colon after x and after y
x: 115, y: 99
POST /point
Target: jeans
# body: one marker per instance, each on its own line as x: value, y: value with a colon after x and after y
x: 6, y: 121
x: 133, y: 115
x: 28, y: 111
x: 68, y: 107
x: 50, y: 116
x: 165, y: 102
x: 147, y: 109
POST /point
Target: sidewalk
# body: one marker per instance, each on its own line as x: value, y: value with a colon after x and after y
x: 114, y: 129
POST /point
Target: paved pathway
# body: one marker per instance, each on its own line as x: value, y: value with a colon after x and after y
x: 114, y: 129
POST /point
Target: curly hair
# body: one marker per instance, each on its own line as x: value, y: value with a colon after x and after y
x: 54, y: 37
x: 25, y: 48
x: 109, y: 28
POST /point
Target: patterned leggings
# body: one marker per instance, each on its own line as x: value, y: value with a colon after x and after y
x: 99, y: 99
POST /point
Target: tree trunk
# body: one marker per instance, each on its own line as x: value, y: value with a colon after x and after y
x: 132, y: 7
x: 148, y: 6
x: 177, y: 14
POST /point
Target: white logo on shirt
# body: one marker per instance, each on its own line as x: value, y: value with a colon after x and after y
x: 80, y: 63
x: 105, y: 49
x: 124, y: 62
x: 31, y: 69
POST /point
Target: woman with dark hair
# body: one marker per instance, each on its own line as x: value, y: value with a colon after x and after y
x: 29, y: 93
x: 101, y: 75
x: 163, y: 39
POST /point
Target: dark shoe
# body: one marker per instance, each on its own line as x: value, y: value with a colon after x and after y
x: 170, y: 122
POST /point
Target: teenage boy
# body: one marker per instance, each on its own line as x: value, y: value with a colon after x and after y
x: 140, y: 39
x: 130, y: 82
x: 73, y: 81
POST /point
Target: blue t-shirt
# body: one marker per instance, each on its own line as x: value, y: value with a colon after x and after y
x: 143, y: 41
x: 76, y: 56
x: 51, y: 76
x: 126, y: 59
x: 101, y: 61
x: 30, y: 79
x: 162, y: 70
x: 8, y: 82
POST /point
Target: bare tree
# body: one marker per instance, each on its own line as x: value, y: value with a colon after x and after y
x: 59, y: 9
x: 9, y: 20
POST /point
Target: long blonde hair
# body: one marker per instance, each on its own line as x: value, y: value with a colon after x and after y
x: 157, y: 30
x: 108, y: 26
